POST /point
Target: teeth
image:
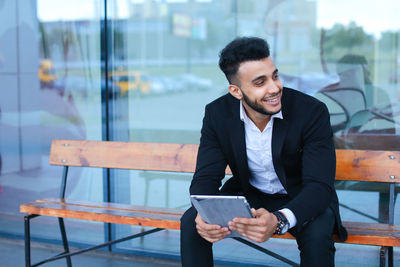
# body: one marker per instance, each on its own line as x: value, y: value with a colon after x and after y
x: 271, y: 100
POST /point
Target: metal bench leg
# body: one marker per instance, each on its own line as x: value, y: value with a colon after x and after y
x: 382, y: 255
x: 27, y: 219
x: 390, y: 256
x: 64, y: 240
x: 27, y: 242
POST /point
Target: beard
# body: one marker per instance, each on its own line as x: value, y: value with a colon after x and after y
x: 256, y: 106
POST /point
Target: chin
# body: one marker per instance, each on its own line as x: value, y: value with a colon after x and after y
x: 274, y: 110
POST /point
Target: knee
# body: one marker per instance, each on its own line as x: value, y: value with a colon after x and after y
x: 317, y: 241
x: 188, y: 219
x: 317, y: 234
x: 317, y: 237
x: 189, y: 234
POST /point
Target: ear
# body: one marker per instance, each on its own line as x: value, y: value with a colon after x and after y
x: 235, y: 91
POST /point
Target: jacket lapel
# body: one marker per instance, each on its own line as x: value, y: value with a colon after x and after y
x: 278, y: 137
x: 238, y: 144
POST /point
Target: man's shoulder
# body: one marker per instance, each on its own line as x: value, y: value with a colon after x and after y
x: 296, y: 99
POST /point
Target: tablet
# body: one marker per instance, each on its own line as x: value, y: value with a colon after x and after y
x: 221, y: 209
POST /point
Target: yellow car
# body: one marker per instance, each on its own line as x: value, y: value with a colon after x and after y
x: 46, y: 73
x: 131, y: 81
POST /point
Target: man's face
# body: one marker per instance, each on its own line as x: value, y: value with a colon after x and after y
x: 260, y: 86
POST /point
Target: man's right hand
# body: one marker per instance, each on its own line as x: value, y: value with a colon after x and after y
x: 210, y: 232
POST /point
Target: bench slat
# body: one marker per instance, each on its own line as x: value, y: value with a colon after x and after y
x: 124, y: 155
x: 137, y: 215
x: 352, y: 165
x: 368, y: 166
x: 112, y: 206
x: 359, y: 233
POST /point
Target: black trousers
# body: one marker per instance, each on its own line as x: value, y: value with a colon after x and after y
x: 314, y: 241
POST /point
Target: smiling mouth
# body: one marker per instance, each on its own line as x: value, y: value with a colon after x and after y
x: 272, y: 99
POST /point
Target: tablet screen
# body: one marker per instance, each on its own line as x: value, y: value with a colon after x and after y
x: 221, y: 209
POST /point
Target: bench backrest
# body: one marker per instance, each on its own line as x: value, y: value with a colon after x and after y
x: 352, y: 165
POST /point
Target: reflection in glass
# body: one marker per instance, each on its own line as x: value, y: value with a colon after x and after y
x: 362, y: 102
x: 51, y: 69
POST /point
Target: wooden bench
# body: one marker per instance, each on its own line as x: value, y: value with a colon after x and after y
x: 352, y: 165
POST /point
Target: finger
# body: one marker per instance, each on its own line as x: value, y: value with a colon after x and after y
x: 259, y: 236
x: 201, y: 223
x: 212, y: 231
x: 254, y: 212
x: 249, y: 230
x: 248, y: 227
x: 262, y: 227
x: 209, y: 227
x: 199, y: 220
x: 256, y: 238
x: 261, y: 212
x: 250, y: 234
x: 212, y: 235
x: 249, y: 221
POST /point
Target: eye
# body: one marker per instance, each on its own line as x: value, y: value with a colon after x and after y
x: 275, y: 76
x: 259, y: 82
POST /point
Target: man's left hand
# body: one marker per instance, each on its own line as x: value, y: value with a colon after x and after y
x: 259, y: 229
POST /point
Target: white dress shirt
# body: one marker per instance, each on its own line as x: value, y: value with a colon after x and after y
x: 259, y: 159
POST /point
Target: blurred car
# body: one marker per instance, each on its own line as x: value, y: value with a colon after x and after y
x: 47, y: 77
x: 158, y: 85
x: 46, y: 74
x: 130, y: 81
x: 191, y: 81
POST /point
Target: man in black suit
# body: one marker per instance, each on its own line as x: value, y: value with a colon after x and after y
x: 278, y: 144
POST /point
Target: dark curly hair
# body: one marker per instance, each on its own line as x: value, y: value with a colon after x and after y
x: 240, y: 50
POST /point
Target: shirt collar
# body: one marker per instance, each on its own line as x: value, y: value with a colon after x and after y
x: 245, y: 118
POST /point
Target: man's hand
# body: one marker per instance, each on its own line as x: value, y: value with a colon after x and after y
x: 210, y: 232
x: 258, y: 229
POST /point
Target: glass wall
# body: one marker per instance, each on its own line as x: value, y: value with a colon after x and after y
x: 50, y: 76
x: 156, y: 60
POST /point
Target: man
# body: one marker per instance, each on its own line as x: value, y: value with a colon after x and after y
x: 278, y: 144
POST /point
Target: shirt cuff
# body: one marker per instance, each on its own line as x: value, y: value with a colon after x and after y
x: 290, y: 217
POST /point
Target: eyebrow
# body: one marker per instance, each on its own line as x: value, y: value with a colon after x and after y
x: 264, y: 76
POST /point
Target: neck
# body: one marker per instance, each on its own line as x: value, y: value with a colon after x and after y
x: 260, y: 120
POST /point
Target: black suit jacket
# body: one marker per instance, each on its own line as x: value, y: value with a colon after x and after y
x: 303, y: 154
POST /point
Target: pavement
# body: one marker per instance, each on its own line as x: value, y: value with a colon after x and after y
x: 12, y: 254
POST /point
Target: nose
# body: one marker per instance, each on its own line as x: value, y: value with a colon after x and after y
x: 274, y: 87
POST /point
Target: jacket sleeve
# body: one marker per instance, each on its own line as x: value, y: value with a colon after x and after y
x: 211, y: 162
x: 318, y: 167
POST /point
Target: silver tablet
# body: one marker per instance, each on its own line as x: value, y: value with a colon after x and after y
x: 221, y: 209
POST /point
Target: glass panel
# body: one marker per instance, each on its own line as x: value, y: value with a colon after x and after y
x: 50, y: 75
x: 164, y: 71
x: 164, y: 75
x: 363, y: 102
x: 364, y: 56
